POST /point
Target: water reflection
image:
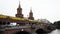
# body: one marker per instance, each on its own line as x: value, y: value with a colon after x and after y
x: 55, y: 32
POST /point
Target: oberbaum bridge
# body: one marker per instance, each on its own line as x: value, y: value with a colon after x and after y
x: 22, y: 25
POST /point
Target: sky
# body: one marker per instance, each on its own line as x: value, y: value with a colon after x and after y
x: 42, y: 9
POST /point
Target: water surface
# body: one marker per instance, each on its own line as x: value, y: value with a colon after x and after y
x: 57, y: 31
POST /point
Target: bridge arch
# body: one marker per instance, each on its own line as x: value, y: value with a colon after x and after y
x: 22, y: 32
x: 40, y: 31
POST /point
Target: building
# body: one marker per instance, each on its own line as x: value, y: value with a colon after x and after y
x: 27, y: 25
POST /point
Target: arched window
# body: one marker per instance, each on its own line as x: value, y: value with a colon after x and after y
x: 8, y: 22
x: 0, y: 22
x: 4, y: 23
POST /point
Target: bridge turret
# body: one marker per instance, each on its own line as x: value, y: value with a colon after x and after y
x: 19, y: 12
x: 31, y: 15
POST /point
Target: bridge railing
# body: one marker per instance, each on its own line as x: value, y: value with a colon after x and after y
x: 12, y: 27
x: 22, y: 26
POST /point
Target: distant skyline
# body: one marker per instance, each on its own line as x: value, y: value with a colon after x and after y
x: 42, y: 9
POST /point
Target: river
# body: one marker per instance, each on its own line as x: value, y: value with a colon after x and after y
x: 57, y: 31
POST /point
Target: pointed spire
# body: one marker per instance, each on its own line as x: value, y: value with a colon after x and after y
x: 19, y: 5
x: 19, y: 11
x: 31, y: 10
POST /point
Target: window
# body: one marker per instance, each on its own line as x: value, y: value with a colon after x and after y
x: 13, y: 24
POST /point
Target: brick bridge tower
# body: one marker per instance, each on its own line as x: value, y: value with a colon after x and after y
x: 31, y: 15
x: 19, y: 12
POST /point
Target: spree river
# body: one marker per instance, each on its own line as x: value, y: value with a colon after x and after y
x: 57, y: 31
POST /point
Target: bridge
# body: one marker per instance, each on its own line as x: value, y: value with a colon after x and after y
x: 27, y: 28
x: 26, y: 25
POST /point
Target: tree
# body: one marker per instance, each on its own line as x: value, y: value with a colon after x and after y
x: 57, y: 24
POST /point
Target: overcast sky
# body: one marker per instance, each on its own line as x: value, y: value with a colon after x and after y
x: 42, y: 9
